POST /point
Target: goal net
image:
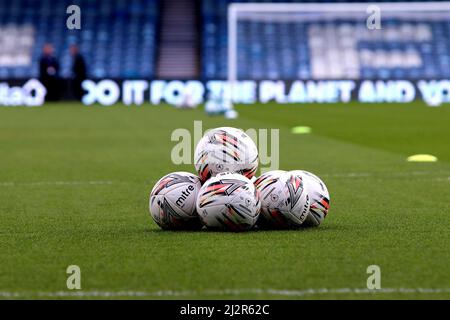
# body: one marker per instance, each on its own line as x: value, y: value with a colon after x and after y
x: 290, y: 41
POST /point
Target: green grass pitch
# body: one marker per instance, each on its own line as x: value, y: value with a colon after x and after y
x: 74, y: 185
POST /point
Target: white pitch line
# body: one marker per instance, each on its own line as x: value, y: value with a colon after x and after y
x: 380, y: 174
x: 347, y: 175
x: 324, y: 175
x: 234, y: 292
x: 54, y: 183
x: 442, y: 179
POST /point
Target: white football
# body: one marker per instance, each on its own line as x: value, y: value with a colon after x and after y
x: 318, y: 196
x: 228, y: 201
x: 226, y: 149
x: 284, y: 200
x: 172, y: 201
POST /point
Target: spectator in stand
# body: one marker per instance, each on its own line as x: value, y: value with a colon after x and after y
x: 78, y: 72
x: 49, y: 73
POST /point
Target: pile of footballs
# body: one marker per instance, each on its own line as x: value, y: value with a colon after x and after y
x: 226, y: 195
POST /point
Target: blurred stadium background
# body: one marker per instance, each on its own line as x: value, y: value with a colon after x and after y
x: 186, y: 39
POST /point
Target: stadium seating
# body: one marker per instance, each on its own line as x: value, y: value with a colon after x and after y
x: 119, y: 40
x: 117, y: 37
x: 331, y: 49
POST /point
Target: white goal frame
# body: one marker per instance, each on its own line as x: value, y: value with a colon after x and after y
x: 235, y: 9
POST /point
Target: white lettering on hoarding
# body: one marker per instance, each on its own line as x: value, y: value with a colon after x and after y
x: 191, y: 93
x: 31, y: 94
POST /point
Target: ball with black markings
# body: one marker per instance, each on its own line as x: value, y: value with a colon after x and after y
x: 284, y: 200
x: 318, y: 195
x: 172, y: 201
x: 225, y: 149
x: 228, y: 201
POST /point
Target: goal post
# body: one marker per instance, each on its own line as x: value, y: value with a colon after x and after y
x: 320, y: 12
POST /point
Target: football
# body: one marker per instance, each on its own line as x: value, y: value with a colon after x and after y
x: 228, y: 201
x: 172, y: 201
x: 226, y: 149
x: 318, y: 196
x: 284, y: 200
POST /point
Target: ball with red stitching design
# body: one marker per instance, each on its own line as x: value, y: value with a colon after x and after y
x: 226, y: 149
x: 228, y: 201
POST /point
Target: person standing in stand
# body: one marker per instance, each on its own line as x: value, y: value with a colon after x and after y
x: 49, y: 73
x: 78, y: 72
